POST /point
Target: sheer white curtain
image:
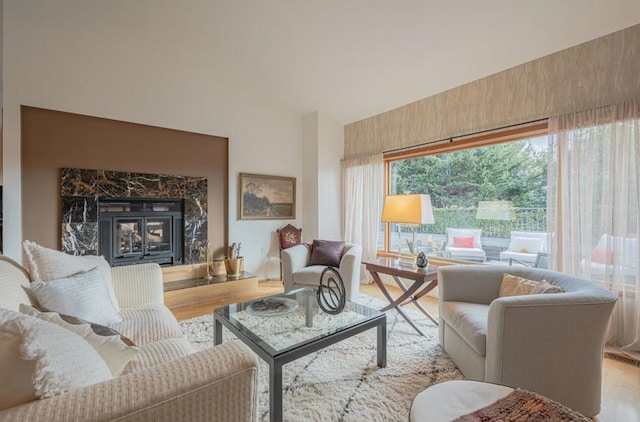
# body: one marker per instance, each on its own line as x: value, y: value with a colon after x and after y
x: 593, y: 208
x: 363, y: 190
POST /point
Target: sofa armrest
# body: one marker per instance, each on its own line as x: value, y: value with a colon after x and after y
x: 138, y: 284
x: 532, y: 338
x: 293, y: 259
x: 469, y: 283
x: 220, y: 383
x: 350, y: 264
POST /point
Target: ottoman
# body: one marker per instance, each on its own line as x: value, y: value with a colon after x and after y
x: 451, y: 399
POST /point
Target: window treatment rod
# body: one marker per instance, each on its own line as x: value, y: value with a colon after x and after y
x: 452, y: 138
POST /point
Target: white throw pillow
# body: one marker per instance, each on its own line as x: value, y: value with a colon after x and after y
x: 113, y: 351
x: 53, y: 359
x: 83, y: 295
x: 48, y: 264
x: 526, y: 245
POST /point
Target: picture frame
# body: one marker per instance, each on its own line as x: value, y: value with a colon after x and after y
x: 264, y: 197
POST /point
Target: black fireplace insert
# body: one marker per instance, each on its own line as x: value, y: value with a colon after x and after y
x: 136, y: 231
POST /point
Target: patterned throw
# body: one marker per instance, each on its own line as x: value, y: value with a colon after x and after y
x: 523, y: 405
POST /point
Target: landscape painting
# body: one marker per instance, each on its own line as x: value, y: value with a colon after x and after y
x: 266, y: 197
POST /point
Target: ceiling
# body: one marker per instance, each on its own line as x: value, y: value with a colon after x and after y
x: 352, y: 59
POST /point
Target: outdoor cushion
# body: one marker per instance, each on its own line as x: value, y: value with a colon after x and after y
x: 462, y: 242
x: 461, y: 253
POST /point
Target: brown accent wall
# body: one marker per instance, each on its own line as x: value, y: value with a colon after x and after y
x: 52, y: 140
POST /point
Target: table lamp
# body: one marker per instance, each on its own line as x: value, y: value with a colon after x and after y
x: 408, y: 210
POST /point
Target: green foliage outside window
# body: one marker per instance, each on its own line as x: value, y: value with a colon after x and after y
x: 457, y: 181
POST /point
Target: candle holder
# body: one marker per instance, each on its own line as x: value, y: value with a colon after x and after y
x: 208, y: 262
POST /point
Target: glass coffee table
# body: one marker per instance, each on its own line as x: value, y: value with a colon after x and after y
x: 285, y: 327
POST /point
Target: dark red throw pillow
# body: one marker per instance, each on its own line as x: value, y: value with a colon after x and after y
x: 326, y: 252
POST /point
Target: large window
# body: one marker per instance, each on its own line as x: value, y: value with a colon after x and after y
x: 492, y: 193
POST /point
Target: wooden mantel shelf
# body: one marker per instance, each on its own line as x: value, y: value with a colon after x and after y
x: 181, y: 294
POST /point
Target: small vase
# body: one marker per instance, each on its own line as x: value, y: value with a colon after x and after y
x: 422, y: 261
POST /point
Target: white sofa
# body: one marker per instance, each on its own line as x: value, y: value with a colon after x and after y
x: 476, y: 253
x: 297, y: 273
x: 524, y: 247
x: 551, y: 344
x: 167, y: 380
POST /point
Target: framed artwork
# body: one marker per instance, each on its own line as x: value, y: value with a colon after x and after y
x: 264, y: 197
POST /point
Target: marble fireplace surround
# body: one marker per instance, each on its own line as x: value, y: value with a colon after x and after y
x: 81, y: 189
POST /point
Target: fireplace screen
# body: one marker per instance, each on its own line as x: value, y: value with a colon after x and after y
x: 140, y: 231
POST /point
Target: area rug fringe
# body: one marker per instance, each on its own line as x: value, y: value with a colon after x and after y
x: 343, y: 382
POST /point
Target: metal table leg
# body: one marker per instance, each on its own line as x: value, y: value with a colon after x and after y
x: 275, y: 392
x: 382, y: 344
x: 217, y: 332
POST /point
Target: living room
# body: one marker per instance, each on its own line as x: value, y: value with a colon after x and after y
x: 261, y: 76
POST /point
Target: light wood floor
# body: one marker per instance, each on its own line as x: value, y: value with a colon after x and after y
x: 621, y: 381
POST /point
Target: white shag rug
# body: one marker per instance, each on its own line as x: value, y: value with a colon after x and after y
x: 343, y: 382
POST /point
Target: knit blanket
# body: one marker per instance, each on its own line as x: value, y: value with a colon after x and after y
x: 523, y: 405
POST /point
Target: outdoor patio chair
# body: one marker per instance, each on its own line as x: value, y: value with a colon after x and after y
x: 524, y: 247
x: 465, y: 245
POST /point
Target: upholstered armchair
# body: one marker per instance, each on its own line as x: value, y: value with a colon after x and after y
x: 298, y: 273
x: 551, y: 344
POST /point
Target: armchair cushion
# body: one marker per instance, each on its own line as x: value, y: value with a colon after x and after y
x: 148, y: 323
x: 326, y: 252
x: 470, y: 322
x: 309, y: 276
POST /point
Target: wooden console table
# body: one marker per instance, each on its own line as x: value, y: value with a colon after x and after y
x: 424, y: 280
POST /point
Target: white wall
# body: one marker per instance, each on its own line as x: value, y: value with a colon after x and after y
x: 330, y: 152
x: 154, y: 62
x: 310, y: 177
x: 322, y: 150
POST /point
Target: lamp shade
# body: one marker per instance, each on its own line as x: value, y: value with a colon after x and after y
x: 408, y: 209
x: 495, y: 210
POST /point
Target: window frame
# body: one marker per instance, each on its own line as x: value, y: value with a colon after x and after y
x: 446, y: 146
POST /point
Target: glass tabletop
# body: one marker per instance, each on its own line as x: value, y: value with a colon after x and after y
x: 296, y: 320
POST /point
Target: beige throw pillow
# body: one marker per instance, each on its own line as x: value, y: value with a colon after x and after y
x: 53, y: 359
x: 83, y: 295
x: 516, y: 286
x: 48, y: 264
x: 111, y: 348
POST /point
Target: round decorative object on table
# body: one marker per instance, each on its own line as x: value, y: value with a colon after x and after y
x: 331, y: 294
x: 272, y: 306
x: 422, y: 261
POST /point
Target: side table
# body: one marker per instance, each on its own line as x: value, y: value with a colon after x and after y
x: 424, y: 280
